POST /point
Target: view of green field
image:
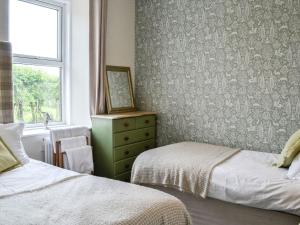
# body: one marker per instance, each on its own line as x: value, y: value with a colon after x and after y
x: 36, y: 90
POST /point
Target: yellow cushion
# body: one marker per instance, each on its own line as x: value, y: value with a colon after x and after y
x: 291, y: 149
x: 7, y: 159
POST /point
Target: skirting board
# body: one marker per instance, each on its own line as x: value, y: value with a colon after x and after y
x: 216, y: 212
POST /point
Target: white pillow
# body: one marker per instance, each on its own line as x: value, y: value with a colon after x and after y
x: 11, y: 135
x: 294, y: 170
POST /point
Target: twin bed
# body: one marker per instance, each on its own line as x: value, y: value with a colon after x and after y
x: 243, y: 187
x: 36, y: 193
x: 39, y: 194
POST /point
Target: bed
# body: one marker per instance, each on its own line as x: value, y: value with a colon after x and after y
x: 244, y: 188
x: 38, y: 193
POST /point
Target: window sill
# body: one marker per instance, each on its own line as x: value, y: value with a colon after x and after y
x: 40, y: 131
x: 35, y: 132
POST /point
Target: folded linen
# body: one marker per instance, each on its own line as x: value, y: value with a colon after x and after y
x: 80, y: 159
x: 72, y: 142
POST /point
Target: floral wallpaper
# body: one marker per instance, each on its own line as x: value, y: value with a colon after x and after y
x: 220, y: 71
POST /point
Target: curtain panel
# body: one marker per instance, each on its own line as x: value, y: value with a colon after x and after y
x: 6, y: 86
x: 98, y: 19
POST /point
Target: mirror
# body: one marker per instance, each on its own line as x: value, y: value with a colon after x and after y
x: 119, y: 94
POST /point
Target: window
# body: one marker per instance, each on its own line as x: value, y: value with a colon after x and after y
x: 36, y: 33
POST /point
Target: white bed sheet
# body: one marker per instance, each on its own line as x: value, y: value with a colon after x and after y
x: 32, y: 176
x: 249, y: 178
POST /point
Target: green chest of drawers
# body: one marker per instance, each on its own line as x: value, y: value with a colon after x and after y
x: 118, y: 139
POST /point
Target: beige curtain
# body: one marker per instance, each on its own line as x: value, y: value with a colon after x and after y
x: 98, y: 18
x: 6, y: 86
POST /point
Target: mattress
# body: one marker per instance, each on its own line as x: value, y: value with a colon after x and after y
x: 58, y: 196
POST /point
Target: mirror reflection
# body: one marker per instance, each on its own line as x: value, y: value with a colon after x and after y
x: 119, y: 89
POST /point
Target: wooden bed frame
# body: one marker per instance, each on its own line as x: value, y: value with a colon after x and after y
x: 216, y: 212
x: 58, y: 157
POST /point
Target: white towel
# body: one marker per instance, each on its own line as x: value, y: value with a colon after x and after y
x: 80, y: 159
x: 58, y: 134
x: 72, y: 142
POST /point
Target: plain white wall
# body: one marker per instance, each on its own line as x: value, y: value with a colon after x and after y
x: 121, y: 33
x: 120, y: 49
x: 80, y: 63
x: 4, y: 20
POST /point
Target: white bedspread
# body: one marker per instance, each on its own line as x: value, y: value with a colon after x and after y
x: 249, y: 178
x: 185, y: 166
x: 32, y: 176
x: 42, y: 194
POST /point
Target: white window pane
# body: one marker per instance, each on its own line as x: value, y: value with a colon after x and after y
x: 37, y: 89
x: 33, y: 29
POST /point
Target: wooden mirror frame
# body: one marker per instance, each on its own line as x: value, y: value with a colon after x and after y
x: 110, y: 109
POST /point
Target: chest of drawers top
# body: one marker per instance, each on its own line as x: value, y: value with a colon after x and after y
x: 129, y: 121
x: 124, y: 115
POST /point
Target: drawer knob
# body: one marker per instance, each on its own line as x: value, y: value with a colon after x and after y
x: 147, y: 121
x: 126, y: 138
x: 126, y: 124
x: 147, y: 134
x: 126, y: 153
x: 126, y: 166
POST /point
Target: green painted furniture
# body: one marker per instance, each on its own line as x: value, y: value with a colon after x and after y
x: 118, y: 139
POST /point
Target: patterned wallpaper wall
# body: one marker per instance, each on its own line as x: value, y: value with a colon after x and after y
x: 220, y: 71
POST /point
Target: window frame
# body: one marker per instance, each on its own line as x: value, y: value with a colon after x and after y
x: 62, y: 55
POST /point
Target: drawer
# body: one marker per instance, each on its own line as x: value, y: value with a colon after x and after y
x: 124, y: 138
x: 146, y: 145
x: 145, y: 121
x: 133, y: 136
x: 125, y: 152
x: 125, y: 124
x: 144, y: 134
x: 124, y: 177
x: 131, y: 150
x: 124, y: 165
